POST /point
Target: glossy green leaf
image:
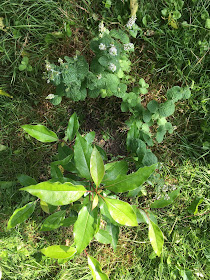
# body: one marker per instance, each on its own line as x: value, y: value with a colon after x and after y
x: 53, y: 221
x: 56, y: 193
x: 160, y: 203
x: 132, y: 181
x: 96, y: 270
x: 193, y: 208
x: 97, y: 169
x: 114, y: 233
x: 103, y: 236
x: 59, y: 251
x: 72, y: 127
x: 69, y: 221
x: 82, y: 154
x: 84, y: 227
x: 21, y: 214
x: 156, y: 237
x: 40, y: 132
x: 95, y: 202
x: 121, y: 212
x: 114, y: 169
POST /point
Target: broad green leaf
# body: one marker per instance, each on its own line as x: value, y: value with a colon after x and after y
x: 103, y: 236
x: 56, y: 193
x: 132, y: 181
x: 21, y: 214
x: 97, y: 169
x: 96, y: 270
x: 114, y: 169
x: 40, y: 132
x: 69, y: 221
x: 82, y: 154
x: 156, y: 237
x: 105, y: 212
x: 53, y: 221
x: 72, y: 127
x: 46, y: 207
x: 26, y: 180
x: 121, y: 212
x: 114, y: 232
x: 160, y: 203
x: 186, y: 274
x: 59, y: 251
x: 193, y: 208
x: 84, y: 227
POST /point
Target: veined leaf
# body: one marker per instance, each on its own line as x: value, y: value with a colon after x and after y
x: 82, y: 154
x: 103, y: 236
x: 114, y: 169
x: 56, y: 193
x: 156, y: 238
x: 54, y: 221
x: 40, y: 132
x: 59, y: 251
x: 84, y: 227
x: 72, y: 127
x: 97, y: 169
x: 121, y: 212
x: 132, y: 181
x: 96, y: 270
x: 21, y: 214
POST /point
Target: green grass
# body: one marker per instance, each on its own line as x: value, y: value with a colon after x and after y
x: 164, y: 57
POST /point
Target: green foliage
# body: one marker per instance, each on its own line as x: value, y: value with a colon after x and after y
x: 91, y: 198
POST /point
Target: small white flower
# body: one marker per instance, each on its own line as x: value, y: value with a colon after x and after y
x: 60, y: 60
x: 165, y: 188
x: 112, y: 67
x: 100, y: 35
x: 113, y: 51
x: 167, y: 197
x: 128, y: 47
x: 99, y: 76
x: 48, y: 81
x: 50, y: 96
x: 101, y: 27
x: 131, y: 22
x: 173, y: 187
x: 102, y: 47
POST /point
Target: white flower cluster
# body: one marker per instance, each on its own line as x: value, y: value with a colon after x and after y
x: 99, y: 76
x: 131, y: 22
x: 102, y: 47
x: 112, y: 67
x: 128, y: 47
x: 113, y: 50
x: 60, y: 60
x: 164, y: 191
x: 52, y: 72
x: 102, y: 29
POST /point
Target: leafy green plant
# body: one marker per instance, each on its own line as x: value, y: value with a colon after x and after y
x: 109, y: 75
x: 25, y: 65
x: 86, y: 193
